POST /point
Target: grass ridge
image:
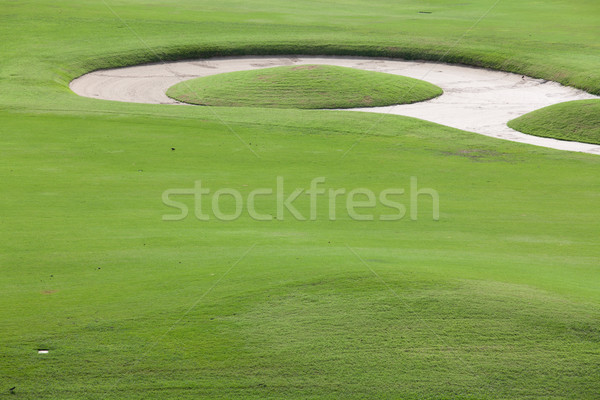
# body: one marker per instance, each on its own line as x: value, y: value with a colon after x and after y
x: 588, y: 83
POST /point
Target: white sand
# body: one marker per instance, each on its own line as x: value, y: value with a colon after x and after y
x: 474, y: 99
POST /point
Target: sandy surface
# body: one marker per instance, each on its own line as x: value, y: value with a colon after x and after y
x: 474, y: 99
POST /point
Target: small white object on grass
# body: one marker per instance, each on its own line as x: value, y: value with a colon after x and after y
x: 43, y: 351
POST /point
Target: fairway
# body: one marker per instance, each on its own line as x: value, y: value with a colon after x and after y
x: 266, y: 250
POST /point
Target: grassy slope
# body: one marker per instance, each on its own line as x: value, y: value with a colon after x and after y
x: 499, y: 298
x: 574, y: 120
x: 305, y: 86
x: 502, y: 289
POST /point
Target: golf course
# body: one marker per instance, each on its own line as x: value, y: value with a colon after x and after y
x: 300, y: 200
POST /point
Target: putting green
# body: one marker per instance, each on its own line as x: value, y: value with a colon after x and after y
x: 303, y: 86
x: 574, y: 120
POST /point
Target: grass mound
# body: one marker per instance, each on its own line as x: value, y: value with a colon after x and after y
x: 574, y: 120
x: 303, y: 86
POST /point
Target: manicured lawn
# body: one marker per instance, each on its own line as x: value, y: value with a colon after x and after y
x: 499, y: 298
x: 303, y: 86
x: 574, y: 120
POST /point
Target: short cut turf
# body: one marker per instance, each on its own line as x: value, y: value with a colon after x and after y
x: 573, y: 120
x: 303, y: 86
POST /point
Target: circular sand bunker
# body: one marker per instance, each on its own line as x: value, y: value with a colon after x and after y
x: 303, y: 86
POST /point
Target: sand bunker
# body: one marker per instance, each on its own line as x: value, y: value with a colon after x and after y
x: 475, y: 99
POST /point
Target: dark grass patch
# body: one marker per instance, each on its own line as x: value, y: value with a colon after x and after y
x: 482, y: 155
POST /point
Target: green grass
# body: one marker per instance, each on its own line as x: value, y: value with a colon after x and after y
x: 574, y: 120
x: 497, y: 299
x: 303, y: 86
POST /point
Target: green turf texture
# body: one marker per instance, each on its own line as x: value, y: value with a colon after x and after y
x: 303, y: 86
x: 573, y: 120
x: 497, y: 299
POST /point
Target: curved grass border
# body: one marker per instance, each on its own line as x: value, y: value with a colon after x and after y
x: 308, y: 86
x: 580, y: 80
x: 577, y: 121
